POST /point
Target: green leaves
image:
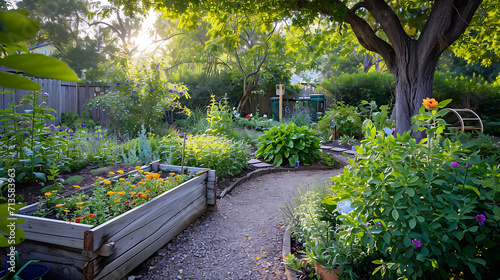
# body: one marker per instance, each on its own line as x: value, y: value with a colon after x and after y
x: 289, y: 143
x: 8, y: 226
x: 16, y: 26
x: 40, y: 65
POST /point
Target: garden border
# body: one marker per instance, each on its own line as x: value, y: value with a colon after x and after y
x: 286, y: 249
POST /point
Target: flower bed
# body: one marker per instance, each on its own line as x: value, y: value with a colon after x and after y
x: 115, y: 247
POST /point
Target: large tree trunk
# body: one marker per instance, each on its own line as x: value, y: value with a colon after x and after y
x: 412, y: 62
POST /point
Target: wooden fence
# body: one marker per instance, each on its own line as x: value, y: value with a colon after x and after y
x: 64, y: 97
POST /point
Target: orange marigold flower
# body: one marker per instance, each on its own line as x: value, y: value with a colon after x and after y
x: 107, y: 182
x: 430, y: 102
x: 121, y: 193
x: 127, y: 183
x: 59, y: 205
x: 111, y: 193
x: 120, y: 171
x: 76, y: 186
x: 111, y: 173
x: 117, y: 200
x: 149, y: 177
x: 133, y: 186
x: 90, y: 216
x: 137, y: 167
x: 148, y: 191
x: 156, y: 175
x: 66, y: 210
x: 48, y: 194
x: 80, y: 203
x: 54, y: 191
x: 121, y: 179
x: 132, y: 193
x: 140, y: 182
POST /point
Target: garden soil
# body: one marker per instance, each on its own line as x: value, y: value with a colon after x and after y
x: 242, y: 240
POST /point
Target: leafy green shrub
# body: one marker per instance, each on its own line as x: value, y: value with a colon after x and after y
x: 289, y: 142
x: 353, y: 88
x: 428, y: 210
x: 342, y: 119
x: 195, y: 123
x: 226, y: 156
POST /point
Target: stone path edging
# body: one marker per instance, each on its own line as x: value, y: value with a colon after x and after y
x: 287, y: 248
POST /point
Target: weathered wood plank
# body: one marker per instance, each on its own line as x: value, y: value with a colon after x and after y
x: 62, y: 261
x: 125, y: 263
x: 130, y: 236
x: 29, y: 209
x: 53, y: 231
x: 103, y: 232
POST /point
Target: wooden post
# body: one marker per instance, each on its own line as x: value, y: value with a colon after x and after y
x: 280, y: 90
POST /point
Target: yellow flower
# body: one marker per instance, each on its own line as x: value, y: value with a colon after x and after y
x: 111, y: 193
x: 111, y: 173
x: 140, y: 171
x: 133, y: 186
x: 54, y: 191
x: 76, y: 186
x: 121, y: 179
x: 127, y: 183
x: 137, y: 167
x: 161, y: 179
x: 121, y: 193
x: 59, y: 205
x: 80, y: 203
x: 48, y: 194
x: 100, y: 178
x: 116, y: 201
x: 177, y: 176
x: 107, y: 182
x: 430, y: 102
x: 147, y: 173
x: 120, y: 171
x: 172, y: 174
x: 257, y: 258
x: 66, y: 210
x: 199, y: 158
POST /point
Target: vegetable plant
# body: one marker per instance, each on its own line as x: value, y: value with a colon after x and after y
x: 289, y: 143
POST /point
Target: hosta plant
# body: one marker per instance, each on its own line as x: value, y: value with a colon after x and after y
x: 289, y: 143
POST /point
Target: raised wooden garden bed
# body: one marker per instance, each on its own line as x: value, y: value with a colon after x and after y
x: 111, y: 250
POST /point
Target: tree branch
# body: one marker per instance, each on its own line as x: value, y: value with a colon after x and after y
x: 177, y: 64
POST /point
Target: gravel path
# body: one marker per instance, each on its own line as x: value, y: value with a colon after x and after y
x: 242, y: 240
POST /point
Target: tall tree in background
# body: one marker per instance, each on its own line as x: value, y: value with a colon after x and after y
x: 409, y: 35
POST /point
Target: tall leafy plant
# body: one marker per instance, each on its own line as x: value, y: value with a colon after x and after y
x: 289, y: 143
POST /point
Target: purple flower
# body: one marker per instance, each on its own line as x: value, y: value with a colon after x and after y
x: 126, y: 107
x: 82, y: 125
x: 481, y: 218
x: 126, y: 81
x: 468, y: 164
x: 152, y: 90
x: 45, y: 95
x: 379, y: 224
x: 455, y: 164
x: 117, y: 84
x: 137, y: 85
x: 137, y: 97
x: 26, y: 134
x: 70, y: 132
x: 61, y: 129
x: 181, y: 93
x: 52, y: 127
x: 416, y: 243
